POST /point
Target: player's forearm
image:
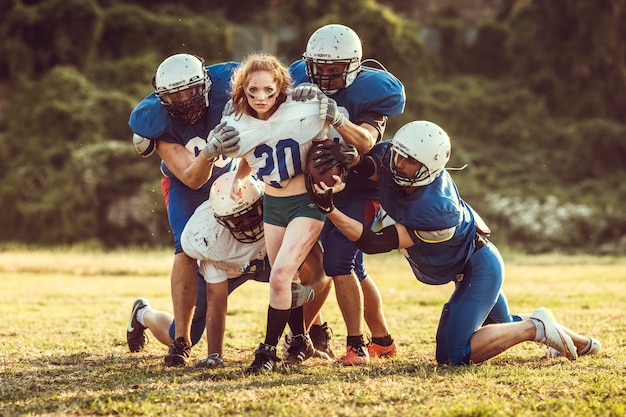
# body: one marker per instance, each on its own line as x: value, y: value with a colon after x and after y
x: 352, y: 229
x: 193, y: 172
x: 356, y: 135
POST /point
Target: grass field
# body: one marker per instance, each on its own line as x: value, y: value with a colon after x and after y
x: 63, y: 348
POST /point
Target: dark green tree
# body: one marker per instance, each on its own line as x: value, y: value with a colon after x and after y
x: 573, y: 53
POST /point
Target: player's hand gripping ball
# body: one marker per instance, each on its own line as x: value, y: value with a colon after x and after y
x: 320, y: 164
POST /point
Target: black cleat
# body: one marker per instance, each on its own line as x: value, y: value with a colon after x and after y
x: 178, y: 353
x: 320, y: 336
x: 265, y: 360
x: 135, y: 333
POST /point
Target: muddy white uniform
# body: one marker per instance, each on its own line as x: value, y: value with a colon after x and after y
x: 221, y: 256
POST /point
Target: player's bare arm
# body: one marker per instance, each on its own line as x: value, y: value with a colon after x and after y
x: 363, y: 136
x: 192, y: 171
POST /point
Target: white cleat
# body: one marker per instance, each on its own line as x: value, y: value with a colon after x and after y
x: 556, y: 337
x: 593, y: 349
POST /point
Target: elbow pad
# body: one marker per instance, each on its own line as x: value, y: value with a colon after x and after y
x: 385, y: 240
x: 144, y: 146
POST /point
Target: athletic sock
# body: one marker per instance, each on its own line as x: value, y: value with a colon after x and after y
x: 276, y: 322
x: 355, y: 341
x: 296, y: 320
x: 383, y: 341
x: 540, y: 330
x: 140, y: 314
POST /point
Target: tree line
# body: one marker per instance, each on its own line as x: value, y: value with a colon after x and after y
x: 533, y: 97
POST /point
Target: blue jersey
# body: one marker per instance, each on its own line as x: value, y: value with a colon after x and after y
x: 150, y: 119
x: 373, y: 91
x: 436, y: 206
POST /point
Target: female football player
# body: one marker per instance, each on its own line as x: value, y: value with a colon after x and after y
x: 276, y: 134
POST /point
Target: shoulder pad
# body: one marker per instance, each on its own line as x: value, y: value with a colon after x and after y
x: 149, y: 118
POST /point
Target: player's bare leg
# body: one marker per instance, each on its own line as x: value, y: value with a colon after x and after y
x: 491, y: 340
x: 373, y: 308
x: 217, y: 307
x: 312, y: 274
x: 381, y: 345
x: 158, y: 322
x: 350, y: 301
x: 184, y: 287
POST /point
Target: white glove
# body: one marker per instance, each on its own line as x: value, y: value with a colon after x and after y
x: 306, y: 91
x: 144, y: 146
x: 225, y: 139
x: 228, y: 108
x: 300, y: 294
x: 329, y: 111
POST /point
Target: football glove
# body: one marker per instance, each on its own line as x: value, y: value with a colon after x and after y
x: 327, y: 156
x: 329, y: 111
x: 324, y: 202
x: 225, y: 139
x: 228, y: 108
x: 300, y: 294
x: 306, y: 91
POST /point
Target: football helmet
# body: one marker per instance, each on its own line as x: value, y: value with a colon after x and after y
x: 424, y: 142
x: 182, y: 85
x: 243, y: 217
x: 333, y: 44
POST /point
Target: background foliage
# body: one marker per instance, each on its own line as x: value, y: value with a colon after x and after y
x: 533, y: 94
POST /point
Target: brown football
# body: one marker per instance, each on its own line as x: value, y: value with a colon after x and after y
x: 326, y: 177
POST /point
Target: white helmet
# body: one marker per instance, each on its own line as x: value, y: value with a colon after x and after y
x: 425, y: 142
x: 182, y: 85
x: 333, y: 44
x: 242, y: 217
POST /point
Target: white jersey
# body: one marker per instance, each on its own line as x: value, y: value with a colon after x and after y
x: 221, y: 256
x: 276, y: 149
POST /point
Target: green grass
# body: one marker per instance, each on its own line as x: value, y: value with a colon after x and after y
x: 63, y: 349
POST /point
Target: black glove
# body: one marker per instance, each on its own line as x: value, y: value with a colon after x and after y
x: 327, y: 156
x: 324, y: 202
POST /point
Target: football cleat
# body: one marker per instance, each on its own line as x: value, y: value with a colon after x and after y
x: 593, y: 347
x: 300, y: 350
x: 178, y: 353
x: 378, y: 351
x: 135, y: 333
x: 555, y: 337
x: 286, y: 344
x: 265, y: 360
x: 356, y: 355
x: 320, y: 336
x: 211, y: 361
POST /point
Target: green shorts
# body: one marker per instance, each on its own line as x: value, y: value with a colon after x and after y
x: 279, y: 211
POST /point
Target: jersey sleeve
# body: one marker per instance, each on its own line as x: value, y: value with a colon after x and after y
x: 375, y: 91
x: 211, y: 273
x: 149, y: 118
